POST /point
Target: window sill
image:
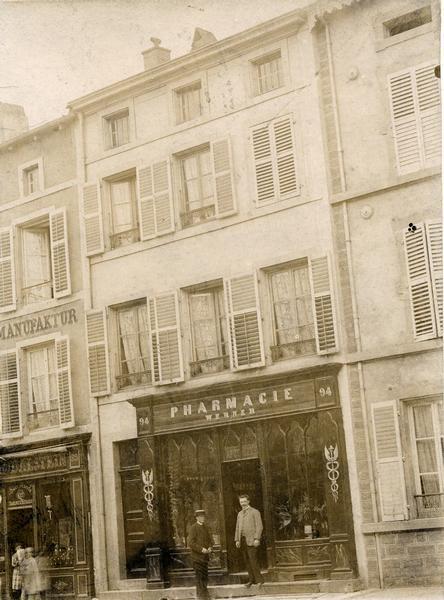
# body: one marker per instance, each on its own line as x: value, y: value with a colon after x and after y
x: 408, y: 525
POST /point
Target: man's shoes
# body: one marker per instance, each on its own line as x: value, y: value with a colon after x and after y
x: 248, y: 584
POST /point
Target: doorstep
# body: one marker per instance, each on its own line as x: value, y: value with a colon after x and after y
x: 283, y: 588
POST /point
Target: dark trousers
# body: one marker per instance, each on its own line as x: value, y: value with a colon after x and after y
x: 251, y: 562
x: 201, y: 571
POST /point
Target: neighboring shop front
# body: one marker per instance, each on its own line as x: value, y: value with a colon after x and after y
x: 280, y: 440
x: 45, y: 505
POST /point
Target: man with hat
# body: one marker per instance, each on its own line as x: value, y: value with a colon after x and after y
x: 200, y: 542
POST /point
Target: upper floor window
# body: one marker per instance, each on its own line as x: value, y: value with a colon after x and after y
x: 198, y: 202
x: 274, y: 155
x: 423, y: 248
x: 408, y: 21
x: 117, y: 129
x: 293, y: 322
x: 208, y: 330
x: 133, y: 366
x: 36, y: 263
x: 267, y: 74
x: 188, y: 102
x: 43, y: 396
x: 416, y: 118
x: 426, y: 422
x: 124, y: 221
x: 31, y: 183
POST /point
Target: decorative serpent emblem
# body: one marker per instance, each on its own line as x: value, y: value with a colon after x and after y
x: 148, y: 491
x: 332, y: 464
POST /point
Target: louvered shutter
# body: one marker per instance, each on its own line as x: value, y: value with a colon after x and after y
x: 285, y: 157
x: 263, y: 162
x: 166, y: 345
x: 155, y: 200
x: 323, y: 305
x: 59, y: 254
x: 66, y: 410
x: 223, y: 177
x: 389, y: 464
x: 420, y: 285
x: 97, y: 352
x: 7, y: 271
x: 405, y: 123
x: 244, y: 322
x: 92, y: 216
x: 434, y: 241
x: 415, y: 108
x: 10, y: 416
x: 428, y: 95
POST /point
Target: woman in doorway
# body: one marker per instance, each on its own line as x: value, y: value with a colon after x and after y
x: 17, y: 581
x: 30, y: 575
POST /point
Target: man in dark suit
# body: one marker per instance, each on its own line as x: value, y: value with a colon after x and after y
x: 200, y: 542
x: 248, y: 537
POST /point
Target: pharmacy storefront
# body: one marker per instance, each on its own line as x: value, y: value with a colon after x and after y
x: 279, y: 440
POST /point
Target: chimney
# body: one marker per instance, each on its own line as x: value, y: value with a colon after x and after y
x: 202, y: 38
x: 13, y: 121
x: 155, y: 56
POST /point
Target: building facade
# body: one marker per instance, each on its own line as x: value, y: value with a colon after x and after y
x: 214, y: 351
x: 44, y: 399
x: 380, y: 98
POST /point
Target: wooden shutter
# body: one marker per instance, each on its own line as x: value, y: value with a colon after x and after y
x: 166, y: 345
x: 7, y: 271
x: 92, y: 215
x: 405, y: 123
x: 420, y: 285
x: 323, y: 305
x: 66, y: 410
x: 434, y: 241
x: 389, y: 464
x: 263, y: 162
x: 428, y: 98
x: 155, y: 200
x: 97, y: 352
x: 285, y: 157
x: 223, y: 177
x: 244, y: 322
x: 415, y: 109
x: 10, y: 416
x: 59, y: 254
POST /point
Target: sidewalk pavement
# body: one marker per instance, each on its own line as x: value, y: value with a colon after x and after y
x: 406, y: 593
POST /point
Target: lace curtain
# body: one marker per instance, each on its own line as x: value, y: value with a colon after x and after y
x: 42, y: 365
x: 134, y: 339
x: 36, y: 263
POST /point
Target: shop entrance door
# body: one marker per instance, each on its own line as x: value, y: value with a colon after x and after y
x: 241, y: 477
x: 21, y: 528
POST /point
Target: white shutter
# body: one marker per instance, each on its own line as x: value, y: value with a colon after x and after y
x: 7, y: 271
x: 285, y: 157
x: 405, y: 123
x: 223, y: 177
x: 92, y: 215
x: 420, y: 285
x: 59, y: 254
x: 434, y: 241
x: 66, y: 410
x: 263, y: 161
x: 10, y: 415
x: 323, y: 305
x: 244, y: 322
x: 415, y: 109
x: 428, y: 95
x: 97, y: 352
x: 166, y: 344
x: 389, y: 464
x: 155, y: 200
